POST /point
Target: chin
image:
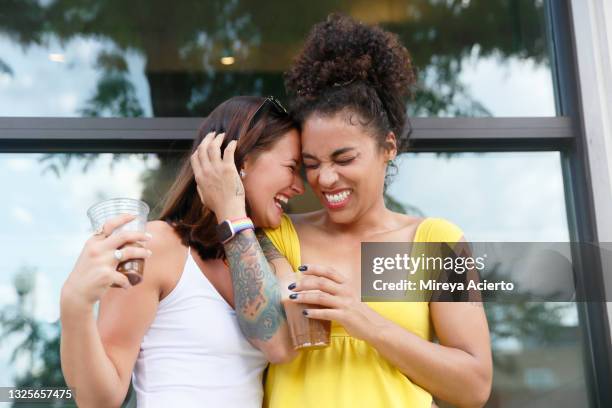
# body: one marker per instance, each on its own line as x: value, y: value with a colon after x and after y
x: 341, y: 217
x: 274, y: 221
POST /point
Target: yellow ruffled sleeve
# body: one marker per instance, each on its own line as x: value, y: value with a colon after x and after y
x: 286, y: 240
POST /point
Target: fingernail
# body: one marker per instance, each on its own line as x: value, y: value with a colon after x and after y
x: 149, y: 252
x: 305, y: 312
x: 302, y: 268
x: 292, y: 286
x: 150, y: 236
x: 293, y: 296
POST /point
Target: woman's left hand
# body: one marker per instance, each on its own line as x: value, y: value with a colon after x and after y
x: 331, y: 291
x: 218, y: 183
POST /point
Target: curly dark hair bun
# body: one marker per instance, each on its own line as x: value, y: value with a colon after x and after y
x: 348, y: 64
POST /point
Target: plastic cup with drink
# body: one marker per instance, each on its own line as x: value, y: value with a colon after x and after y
x: 103, y: 211
x: 306, y: 333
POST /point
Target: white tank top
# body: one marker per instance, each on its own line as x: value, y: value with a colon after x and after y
x: 194, y: 354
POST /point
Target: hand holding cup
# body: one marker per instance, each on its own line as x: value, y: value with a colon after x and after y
x: 96, y: 268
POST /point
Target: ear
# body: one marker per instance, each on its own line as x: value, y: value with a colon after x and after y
x: 246, y: 164
x: 391, y: 143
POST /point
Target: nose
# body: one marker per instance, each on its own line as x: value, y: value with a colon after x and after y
x: 298, y: 185
x: 327, y: 176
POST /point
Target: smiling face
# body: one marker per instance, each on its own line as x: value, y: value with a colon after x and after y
x: 272, y: 178
x: 344, y: 165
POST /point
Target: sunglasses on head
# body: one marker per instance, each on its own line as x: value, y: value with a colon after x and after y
x: 273, y: 103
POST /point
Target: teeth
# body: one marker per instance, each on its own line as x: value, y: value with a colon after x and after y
x: 283, y: 199
x: 337, y: 198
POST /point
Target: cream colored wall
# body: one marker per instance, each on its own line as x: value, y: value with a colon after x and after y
x: 593, y: 30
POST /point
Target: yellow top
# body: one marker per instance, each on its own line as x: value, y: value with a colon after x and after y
x: 350, y: 372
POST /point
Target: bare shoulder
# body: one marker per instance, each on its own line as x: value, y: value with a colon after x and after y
x: 408, y: 220
x: 168, y: 254
x: 164, y: 236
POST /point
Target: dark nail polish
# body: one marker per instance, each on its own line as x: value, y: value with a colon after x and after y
x: 292, y: 286
x: 293, y: 296
x: 305, y: 312
x: 302, y: 268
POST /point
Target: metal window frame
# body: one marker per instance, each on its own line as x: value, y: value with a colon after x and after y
x: 564, y: 134
x: 27, y: 135
x: 580, y: 204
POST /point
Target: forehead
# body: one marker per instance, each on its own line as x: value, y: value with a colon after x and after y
x: 324, y: 134
x: 287, y: 144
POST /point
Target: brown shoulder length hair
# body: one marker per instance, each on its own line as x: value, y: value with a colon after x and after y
x: 183, y: 209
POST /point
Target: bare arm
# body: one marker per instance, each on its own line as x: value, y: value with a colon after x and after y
x: 82, y: 351
x: 459, y: 369
x: 257, y: 293
x: 98, y: 357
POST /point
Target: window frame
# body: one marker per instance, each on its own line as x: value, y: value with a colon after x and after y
x: 564, y: 133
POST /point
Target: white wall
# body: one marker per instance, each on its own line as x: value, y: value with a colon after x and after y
x: 593, y: 30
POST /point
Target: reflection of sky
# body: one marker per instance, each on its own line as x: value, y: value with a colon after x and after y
x: 510, y: 88
x: 492, y: 196
x: 44, y: 222
x: 40, y: 87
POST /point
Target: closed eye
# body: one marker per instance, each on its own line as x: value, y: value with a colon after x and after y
x: 310, y: 166
x: 345, y: 161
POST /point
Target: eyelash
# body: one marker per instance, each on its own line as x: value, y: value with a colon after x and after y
x: 345, y: 161
x: 339, y: 162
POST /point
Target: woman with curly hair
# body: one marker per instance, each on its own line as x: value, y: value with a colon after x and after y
x: 349, y: 84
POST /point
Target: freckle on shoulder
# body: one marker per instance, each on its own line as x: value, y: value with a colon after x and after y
x: 164, y: 236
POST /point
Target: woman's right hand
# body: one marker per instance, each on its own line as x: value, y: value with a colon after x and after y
x: 96, y: 268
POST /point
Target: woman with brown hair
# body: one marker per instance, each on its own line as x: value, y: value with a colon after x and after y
x: 176, y: 334
x: 350, y: 83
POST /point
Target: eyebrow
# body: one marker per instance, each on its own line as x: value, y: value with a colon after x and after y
x: 335, y: 154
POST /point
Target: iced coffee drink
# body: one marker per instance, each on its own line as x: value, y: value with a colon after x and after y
x: 100, y: 213
x: 306, y: 332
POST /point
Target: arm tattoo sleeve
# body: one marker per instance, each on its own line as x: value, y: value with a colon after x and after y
x: 257, y: 295
x: 267, y: 246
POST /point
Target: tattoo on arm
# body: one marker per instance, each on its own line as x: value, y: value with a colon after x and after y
x: 257, y: 294
x: 268, y: 248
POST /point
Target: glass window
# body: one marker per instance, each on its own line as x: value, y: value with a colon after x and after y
x: 503, y: 197
x: 510, y: 196
x: 44, y: 226
x: 61, y: 58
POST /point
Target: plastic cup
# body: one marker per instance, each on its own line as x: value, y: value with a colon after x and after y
x: 306, y: 333
x: 103, y: 211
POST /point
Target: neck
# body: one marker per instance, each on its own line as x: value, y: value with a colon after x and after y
x: 374, y: 220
